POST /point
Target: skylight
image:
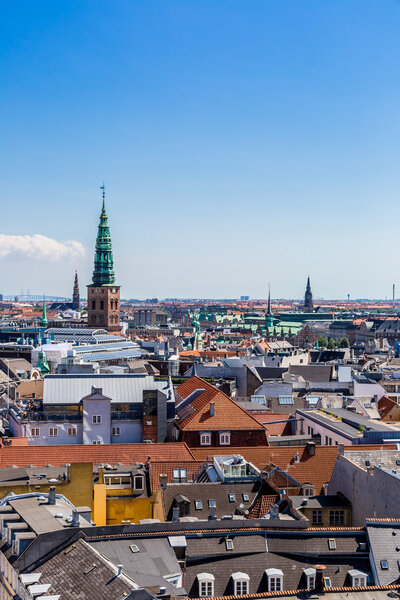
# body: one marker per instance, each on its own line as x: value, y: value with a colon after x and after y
x: 198, y: 504
x: 384, y: 565
x: 229, y: 544
x: 212, y: 504
x: 245, y: 497
x: 332, y: 544
x: 231, y: 497
x: 134, y: 548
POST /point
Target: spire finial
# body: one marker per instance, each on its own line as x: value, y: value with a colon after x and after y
x: 103, y: 188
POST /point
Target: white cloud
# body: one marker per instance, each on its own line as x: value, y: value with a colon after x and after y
x: 39, y: 247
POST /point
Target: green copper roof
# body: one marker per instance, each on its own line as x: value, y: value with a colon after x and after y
x: 103, y: 273
x: 42, y: 363
x: 43, y: 320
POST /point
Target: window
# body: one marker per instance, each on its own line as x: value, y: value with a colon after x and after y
x: 134, y: 548
x: 53, y: 431
x: 138, y: 482
x: 101, y: 304
x: 225, y: 438
x: 384, y: 565
x: 71, y: 431
x: 311, y: 582
x: 275, y: 580
x: 116, y: 430
x: 96, y: 419
x: 205, y: 439
x: 332, y: 544
x: 275, y: 584
x: 206, y: 584
x: 93, y: 304
x: 198, y: 504
x: 336, y: 517
x: 229, y: 544
x: 212, y: 504
x: 245, y: 497
x: 35, y: 431
x: 317, y: 517
x: 96, y: 442
x: 285, y: 400
x: 360, y: 581
x: 231, y: 497
x: 240, y: 583
x: 180, y: 476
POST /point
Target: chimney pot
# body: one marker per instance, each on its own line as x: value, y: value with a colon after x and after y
x: 75, y: 518
x: 319, y: 578
x: 52, y: 495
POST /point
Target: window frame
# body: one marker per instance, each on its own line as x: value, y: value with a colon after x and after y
x: 96, y: 419
x: 53, y: 431
x: 317, y: 512
x: 225, y: 438
x: 275, y: 583
x: 71, y: 431
x: 116, y: 430
x: 205, y: 439
x: 35, y: 431
x: 336, y: 517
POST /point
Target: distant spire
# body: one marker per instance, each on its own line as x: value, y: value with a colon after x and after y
x: 308, y: 299
x: 76, y: 301
x: 269, y: 311
x: 43, y: 320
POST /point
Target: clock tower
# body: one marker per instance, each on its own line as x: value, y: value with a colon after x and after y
x: 103, y: 294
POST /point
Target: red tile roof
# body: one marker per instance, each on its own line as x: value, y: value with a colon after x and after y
x: 385, y: 405
x: 104, y: 453
x: 228, y: 414
x: 315, y: 470
x: 164, y: 467
x: 274, y: 428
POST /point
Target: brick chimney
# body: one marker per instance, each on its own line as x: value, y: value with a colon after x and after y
x: 319, y: 578
x: 310, y: 446
x: 212, y: 408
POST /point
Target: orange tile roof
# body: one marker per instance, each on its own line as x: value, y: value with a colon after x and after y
x: 385, y: 405
x: 104, y: 453
x: 273, y: 428
x: 228, y: 414
x: 164, y: 467
x: 315, y: 470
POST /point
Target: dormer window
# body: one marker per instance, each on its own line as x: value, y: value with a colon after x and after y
x: 212, y: 504
x: 225, y: 438
x: 310, y: 575
x: 358, y: 578
x: 205, y: 439
x: 180, y: 475
x: 206, y: 584
x: 275, y: 580
x: 138, y: 483
x: 241, y: 583
x: 308, y: 490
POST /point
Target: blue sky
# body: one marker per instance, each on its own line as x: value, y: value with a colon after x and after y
x: 241, y: 142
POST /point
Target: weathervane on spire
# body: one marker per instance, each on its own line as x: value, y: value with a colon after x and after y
x: 103, y: 188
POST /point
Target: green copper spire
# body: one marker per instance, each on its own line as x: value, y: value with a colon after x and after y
x: 103, y: 273
x: 269, y: 319
x: 43, y: 320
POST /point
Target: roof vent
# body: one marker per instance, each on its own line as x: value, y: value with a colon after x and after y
x: 119, y: 567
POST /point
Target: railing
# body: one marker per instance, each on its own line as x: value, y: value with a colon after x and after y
x: 40, y: 416
x: 125, y: 416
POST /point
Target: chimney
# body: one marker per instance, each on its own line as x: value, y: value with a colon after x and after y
x: 340, y: 450
x: 325, y: 489
x: 274, y: 511
x: 163, y: 590
x: 175, y: 514
x: 163, y: 481
x: 75, y: 519
x: 52, y: 495
x: 319, y: 578
x: 310, y: 446
x: 119, y: 567
x: 212, y: 408
x: 212, y: 514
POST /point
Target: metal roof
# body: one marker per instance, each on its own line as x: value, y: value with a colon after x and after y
x: 127, y: 388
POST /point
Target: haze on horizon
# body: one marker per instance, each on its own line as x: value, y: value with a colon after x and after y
x: 241, y: 143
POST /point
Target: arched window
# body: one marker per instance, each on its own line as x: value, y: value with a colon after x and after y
x: 206, y: 584
x: 205, y: 439
x: 275, y: 580
x: 241, y: 583
x: 310, y: 578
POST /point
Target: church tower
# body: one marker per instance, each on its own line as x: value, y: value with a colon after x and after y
x: 308, y: 301
x: 269, y: 318
x: 76, y: 301
x: 103, y: 294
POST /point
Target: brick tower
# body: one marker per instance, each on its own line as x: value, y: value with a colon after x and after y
x: 103, y: 294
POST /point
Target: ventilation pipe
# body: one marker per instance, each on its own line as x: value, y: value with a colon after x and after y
x: 75, y: 519
x: 52, y: 495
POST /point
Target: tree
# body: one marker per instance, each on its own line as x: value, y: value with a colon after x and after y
x: 344, y: 343
x: 322, y: 341
x: 331, y: 344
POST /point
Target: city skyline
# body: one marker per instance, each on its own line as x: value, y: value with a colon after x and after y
x: 238, y: 146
